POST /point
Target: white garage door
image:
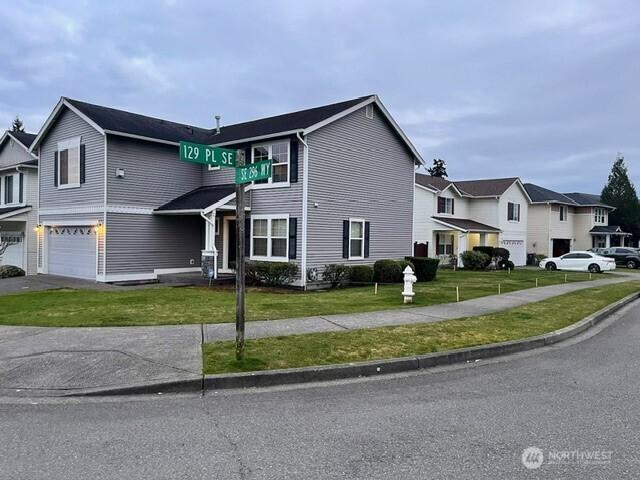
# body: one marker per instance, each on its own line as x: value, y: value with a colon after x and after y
x: 14, y: 254
x: 71, y: 251
x: 517, y: 252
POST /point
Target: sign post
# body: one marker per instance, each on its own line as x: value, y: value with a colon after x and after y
x: 240, y: 283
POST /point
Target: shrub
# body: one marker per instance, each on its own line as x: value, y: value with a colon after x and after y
x: 501, y: 256
x: 425, y: 268
x: 406, y: 263
x: 387, y: 271
x: 9, y: 271
x: 271, y: 274
x: 474, y: 260
x: 336, y: 274
x: 489, y: 251
x: 509, y: 265
x: 361, y: 274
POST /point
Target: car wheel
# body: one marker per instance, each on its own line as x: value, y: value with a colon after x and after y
x: 551, y: 266
x: 593, y: 268
x: 632, y: 264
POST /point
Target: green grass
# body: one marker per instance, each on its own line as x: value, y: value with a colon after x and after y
x: 170, y: 306
x: 401, y: 341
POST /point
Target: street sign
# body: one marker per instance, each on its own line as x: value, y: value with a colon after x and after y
x: 254, y: 171
x: 214, y: 156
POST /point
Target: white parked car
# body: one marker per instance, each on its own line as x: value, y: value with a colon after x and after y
x: 580, y: 261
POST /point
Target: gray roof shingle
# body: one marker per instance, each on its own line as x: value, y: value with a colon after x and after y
x: 429, y: 181
x: 198, y: 199
x: 492, y: 187
x: 467, y: 224
x: 586, y: 199
x: 541, y: 194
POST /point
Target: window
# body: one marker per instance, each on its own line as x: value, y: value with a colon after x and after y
x: 279, y: 153
x: 445, y: 205
x: 513, y: 212
x: 599, y: 215
x: 8, y: 190
x: 356, y: 239
x: 69, y: 163
x: 563, y: 213
x: 368, y: 110
x: 444, y: 244
x: 270, y: 238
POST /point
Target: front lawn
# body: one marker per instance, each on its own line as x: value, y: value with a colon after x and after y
x: 170, y: 306
x: 417, y: 339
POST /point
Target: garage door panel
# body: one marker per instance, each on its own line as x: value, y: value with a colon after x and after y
x: 71, y: 251
x: 517, y: 251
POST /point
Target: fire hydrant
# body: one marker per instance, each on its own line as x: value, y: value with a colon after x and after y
x: 409, y: 280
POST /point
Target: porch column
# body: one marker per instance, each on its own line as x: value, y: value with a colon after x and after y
x: 210, y: 253
x: 462, y: 247
x: 607, y: 241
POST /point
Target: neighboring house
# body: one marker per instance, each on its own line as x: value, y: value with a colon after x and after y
x: 18, y: 201
x: 451, y: 217
x: 117, y: 204
x: 561, y: 222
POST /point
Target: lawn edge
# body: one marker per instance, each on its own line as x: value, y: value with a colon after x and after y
x: 370, y: 368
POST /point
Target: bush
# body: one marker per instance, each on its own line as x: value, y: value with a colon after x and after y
x: 9, y: 271
x: 509, y: 265
x: 406, y: 263
x: 336, y: 274
x: 501, y: 257
x: 271, y: 274
x: 425, y: 268
x: 474, y: 260
x: 489, y: 251
x: 361, y: 274
x: 387, y: 271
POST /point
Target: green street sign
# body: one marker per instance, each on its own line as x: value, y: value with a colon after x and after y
x: 199, y: 153
x: 253, y: 171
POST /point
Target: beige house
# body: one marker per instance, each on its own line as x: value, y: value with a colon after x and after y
x: 559, y: 223
x: 452, y: 217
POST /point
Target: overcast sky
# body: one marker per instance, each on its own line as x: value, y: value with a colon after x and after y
x: 547, y: 91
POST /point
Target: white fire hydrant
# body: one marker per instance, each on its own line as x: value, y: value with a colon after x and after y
x: 409, y: 280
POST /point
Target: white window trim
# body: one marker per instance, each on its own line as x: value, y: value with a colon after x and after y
x: 269, y: 257
x: 563, y: 218
x: 65, y: 145
x: 515, y: 219
x: 449, y: 241
x: 16, y: 190
x: 362, y: 221
x: 270, y: 184
x: 599, y: 215
x: 448, y: 201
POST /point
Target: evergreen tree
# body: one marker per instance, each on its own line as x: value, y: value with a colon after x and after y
x: 439, y: 168
x: 17, y: 126
x: 619, y: 192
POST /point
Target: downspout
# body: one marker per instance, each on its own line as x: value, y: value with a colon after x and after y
x: 305, y: 202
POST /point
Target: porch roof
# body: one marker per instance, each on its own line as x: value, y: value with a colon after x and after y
x: 608, y: 230
x: 466, y: 225
x: 198, y: 200
x: 8, y: 212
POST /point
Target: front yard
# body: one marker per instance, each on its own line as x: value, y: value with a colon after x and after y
x: 170, y: 306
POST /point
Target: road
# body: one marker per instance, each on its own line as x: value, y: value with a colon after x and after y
x: 470, y: 421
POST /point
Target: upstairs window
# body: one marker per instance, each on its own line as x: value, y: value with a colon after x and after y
x: 564, y: 211
x: 8, y: 190
x: 279, y: 153
x: 68, y: 168
x: 599, y: 215
x: 513, y: 212
x: 445, y: 205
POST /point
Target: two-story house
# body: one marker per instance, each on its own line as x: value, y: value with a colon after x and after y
x: 451, y: 217
x: 18, y: 201
x: 117, y: 204
x: 561, y: 222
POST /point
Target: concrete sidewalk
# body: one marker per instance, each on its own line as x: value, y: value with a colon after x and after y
x: 53, y: 361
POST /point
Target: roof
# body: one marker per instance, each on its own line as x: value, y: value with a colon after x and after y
x: 120, y: 122
x: 466, y: 224
x: 24, y: 140
x: 198, y: 199
x: 608, y: 229
x: 540, y: 194
x: 429, y: 181
x: 586, y: 200
x: 7, y: 210
x: 493, y: 187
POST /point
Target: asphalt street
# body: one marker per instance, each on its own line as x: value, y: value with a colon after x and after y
x: 578, y: 399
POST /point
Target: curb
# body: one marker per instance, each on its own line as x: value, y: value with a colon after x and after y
x: 366, y: 369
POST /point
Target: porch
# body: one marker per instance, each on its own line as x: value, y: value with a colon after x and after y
x: 459, y: 235
x: 609, y: 236
x: 14, y: 230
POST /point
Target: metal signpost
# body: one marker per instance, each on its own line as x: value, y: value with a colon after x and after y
x: 207, y: 155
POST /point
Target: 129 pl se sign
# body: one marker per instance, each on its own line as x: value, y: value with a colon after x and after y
x: 215, y: 156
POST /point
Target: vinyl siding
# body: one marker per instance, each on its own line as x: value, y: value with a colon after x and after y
x: 31, y: 239
x: 223, y: 176
x: 538, y: 230
x: 12, y: 153
x: 154, y: 174
x: 359, y: 168
x: 69, y: 125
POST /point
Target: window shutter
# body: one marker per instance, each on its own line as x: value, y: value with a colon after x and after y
x: 451, y: 244
x: 437, y: 244
x: 82, y: 163
x: 55, y: 169
x: 509, y: 211
x: 21, y: 194
x: 293, y: 237
x: 367, y: 235
x: 453, y: 200
x: 247, y: 237
x: 345, y: 239
x: 293, y: 162
x: 440, y: 204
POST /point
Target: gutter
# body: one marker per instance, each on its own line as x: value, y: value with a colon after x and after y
x: 305, y: 204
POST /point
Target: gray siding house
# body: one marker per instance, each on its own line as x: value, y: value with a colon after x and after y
x: 18, y: 201
x: 117, y: 204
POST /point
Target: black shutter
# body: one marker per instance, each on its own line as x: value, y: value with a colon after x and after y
x: 293, y: 162
x: 437, y: 244
x: 345, y: 239
x: 82, y: 163
x: 247, y: 237
x: 293, y: 237
x: 509, y: 211
x: 247, y: 155
x: 21, y: 194
x: 453, y: 200
x: 440, y: 204
x: 367, y: 235
x: 55, y: 169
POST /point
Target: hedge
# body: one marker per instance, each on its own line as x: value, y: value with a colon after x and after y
x: 425, y: 269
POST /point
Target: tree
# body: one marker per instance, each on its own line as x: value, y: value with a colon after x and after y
x: 619, y: 192
x: 17, y: 126
x: 439, y: 168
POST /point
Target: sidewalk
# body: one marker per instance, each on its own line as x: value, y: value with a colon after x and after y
x: 53, y: 361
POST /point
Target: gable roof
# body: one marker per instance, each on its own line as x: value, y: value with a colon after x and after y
x: 465, y: 224
x: 23, y: 139
x: 429, y: 181
x: 119, y: 122
x: 492, y: 187
x: 587, y: 200
x: 540, y: 194
x: 198, y: 199
x: 615, y: 229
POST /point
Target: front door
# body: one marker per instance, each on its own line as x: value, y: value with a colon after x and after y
x: 231, y: 244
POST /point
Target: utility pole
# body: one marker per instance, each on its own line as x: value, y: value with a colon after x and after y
x: 240, y: 282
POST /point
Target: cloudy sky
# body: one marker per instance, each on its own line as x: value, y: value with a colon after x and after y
x: 546, y: 90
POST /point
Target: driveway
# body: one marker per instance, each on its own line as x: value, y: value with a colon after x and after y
x: 34, y: 283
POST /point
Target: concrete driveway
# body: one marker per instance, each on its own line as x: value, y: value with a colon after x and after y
x: 34, y: 283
